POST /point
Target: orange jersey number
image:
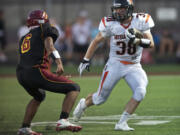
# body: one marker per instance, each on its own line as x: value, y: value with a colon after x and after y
x: 25, y: 47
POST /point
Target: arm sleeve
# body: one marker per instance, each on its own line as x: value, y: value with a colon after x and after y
x: 145, y: 22
x: 49, y: 31
x: 104, y: 28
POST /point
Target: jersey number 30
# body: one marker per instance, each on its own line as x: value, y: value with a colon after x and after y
x: 130, y: 48
x: 25, y: 47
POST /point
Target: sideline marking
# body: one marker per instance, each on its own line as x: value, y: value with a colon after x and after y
x: 151, y: 122
x: 144, y: 120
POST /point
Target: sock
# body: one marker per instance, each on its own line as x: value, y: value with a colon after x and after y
x: 83, y: 105
x: 124, y: 117
x: 64, y: 115
x: 24, y: 125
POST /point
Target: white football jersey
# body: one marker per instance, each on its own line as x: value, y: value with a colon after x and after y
x: 119, y: 47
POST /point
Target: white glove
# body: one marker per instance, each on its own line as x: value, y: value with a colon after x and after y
x: 84, y: 65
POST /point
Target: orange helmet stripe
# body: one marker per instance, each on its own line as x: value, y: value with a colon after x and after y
x: 46, y: 17
x: 147, y: 18
x: 131, y: 1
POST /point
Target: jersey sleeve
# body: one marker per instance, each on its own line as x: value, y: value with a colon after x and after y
x: 145, y: 22
x: 149, y: 22
x: 49, y: 31
x: 104, y: 28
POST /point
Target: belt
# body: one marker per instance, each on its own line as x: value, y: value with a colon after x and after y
x: 127, y: 62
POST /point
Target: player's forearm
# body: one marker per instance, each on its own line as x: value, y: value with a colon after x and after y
x: 51, y: 51
x: 58, y: 61
x: 91, y: 50
x: 149, y: 36
x: 48, y: 42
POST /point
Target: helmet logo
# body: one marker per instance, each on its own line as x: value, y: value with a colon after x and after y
x: 117, y: 4
x: 130, y: 2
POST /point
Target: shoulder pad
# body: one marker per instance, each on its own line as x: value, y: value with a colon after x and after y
x: 105, y: 26
x: 110, y: 19
x: 143, y: 21
x: 49, y: 31
x: 107, y: 20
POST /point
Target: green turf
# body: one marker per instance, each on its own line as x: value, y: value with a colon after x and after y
x: 155, y: 68
x: 162, y: 99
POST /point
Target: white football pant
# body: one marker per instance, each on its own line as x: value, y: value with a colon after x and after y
x: 113, y: 71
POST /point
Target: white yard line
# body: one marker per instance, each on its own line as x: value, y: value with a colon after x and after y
x: 151, y: 122
x: 144, y: 120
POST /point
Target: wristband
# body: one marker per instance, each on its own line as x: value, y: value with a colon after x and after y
x: 145, y: 43
x: 86, y: 59
x: 55, y: 54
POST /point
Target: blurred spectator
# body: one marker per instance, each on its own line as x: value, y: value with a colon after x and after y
x: 178, y: 52
x: 147, y: 56
x: 81, y: 32
x: 166, y: 44
x: 156, y: 37
x: 94, y: 30
x: 68, y: 43
x: 59, y: 45
x: 3, y: 57
x: 64, y: 43
x: 23, y: 29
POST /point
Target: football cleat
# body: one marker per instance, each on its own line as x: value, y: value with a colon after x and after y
x: 78, y: 111
x: 64, y: 124
x: 123, y: 126
x: 27, y: 131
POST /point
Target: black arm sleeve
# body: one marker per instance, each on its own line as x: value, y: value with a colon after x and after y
x: 49, y: 31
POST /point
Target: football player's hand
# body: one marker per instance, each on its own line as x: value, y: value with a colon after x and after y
x: 68, y: 76
x: 130, y: 34
x: 60, y: 69
x: 133, y: 35
x: 85, y: 64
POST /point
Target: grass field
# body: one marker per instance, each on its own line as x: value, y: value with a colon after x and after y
x: 162, y: 100
x: 150, y: 69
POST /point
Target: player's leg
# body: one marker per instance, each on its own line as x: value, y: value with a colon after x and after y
x: 31, y: 109
x: 69, y: 101
x: 30, y: 112
x: 63, y: 122
x: 81, y: 106
x: 137, y: 80
x: 61, y: 84
x: 108, y: 81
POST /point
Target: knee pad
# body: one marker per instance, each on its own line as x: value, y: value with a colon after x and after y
x: 139, y: 93
x: 98, y: 100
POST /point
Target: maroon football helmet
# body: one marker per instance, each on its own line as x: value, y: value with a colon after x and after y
x: 37, y: 17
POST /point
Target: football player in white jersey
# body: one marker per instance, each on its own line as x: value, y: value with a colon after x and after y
x: 129, y: 33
